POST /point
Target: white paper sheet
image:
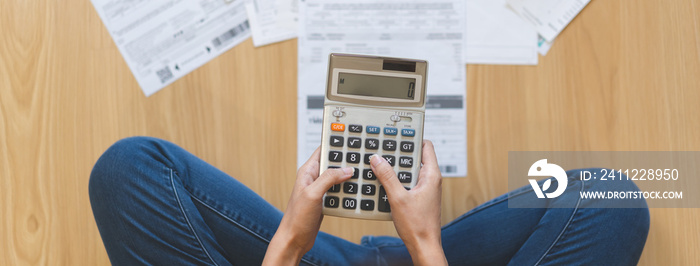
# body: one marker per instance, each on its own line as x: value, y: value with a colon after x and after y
x: 423, y: 30
x: 287, y: 14
x: 162, y: 41
x: 549, y: 17
x: 263, y: 17
x: 497, y: 35
x: 543, y: 45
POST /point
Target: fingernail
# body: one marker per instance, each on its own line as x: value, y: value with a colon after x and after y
x: 374, y: 160
x: 349, y: 170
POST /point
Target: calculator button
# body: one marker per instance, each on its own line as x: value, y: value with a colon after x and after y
x: 335, y: 156
x: 334, y: 188
x: 368, y: 174
x: 406, y: 161
x: 336, y: 141
x: 350, y: 188
x: 390, y: 159
x: 338, y: 113
x: 349, y: 203
x: 407, y: 146
x: 405, y: 177
x: 367, y: 158
x: 337, y: 127
x: 356, y: 173
x: 389, y: 145
x: 383, y: 205
x: 331, y: 202
x: 408, y: 132
x: 355, y: 128
x: 354, y: 142
x: 353, y: 157
x: 372, y: 130
x: 390, y: 131
x: 367, y: 205
x: 369, y: 189
x: 371, y: 144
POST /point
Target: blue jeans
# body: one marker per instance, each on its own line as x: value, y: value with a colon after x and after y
x: 155, y: 203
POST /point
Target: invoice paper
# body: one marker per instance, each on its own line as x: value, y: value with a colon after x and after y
x: 431, y: 31
x: 263, y: 16
x: 162, y: 41
x: 497, y: 35
x: 549, y: 17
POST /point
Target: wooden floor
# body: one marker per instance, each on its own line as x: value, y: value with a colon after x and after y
x: 625, y: 75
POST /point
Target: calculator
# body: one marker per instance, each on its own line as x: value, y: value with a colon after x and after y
x: 373, y: 105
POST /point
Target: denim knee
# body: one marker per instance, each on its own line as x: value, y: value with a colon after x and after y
x: 119, y: 163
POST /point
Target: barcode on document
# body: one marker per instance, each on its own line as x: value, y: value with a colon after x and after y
x: 164, y: 74
x: 229, y: 34
x: 448, y: 168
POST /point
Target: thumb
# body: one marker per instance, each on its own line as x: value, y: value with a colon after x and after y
x: 386, y: 175
x: 329, y: 178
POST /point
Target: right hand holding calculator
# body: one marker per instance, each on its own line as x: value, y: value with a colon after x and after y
x: 373, y: 105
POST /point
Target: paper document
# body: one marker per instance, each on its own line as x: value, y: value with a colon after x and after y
x: 549, y: 17
x: 497, y: 35
x: 263, y: 16
x: 431, y: 31
x: 287, y: 14
x: 162, y: 41
x: 543, y: 45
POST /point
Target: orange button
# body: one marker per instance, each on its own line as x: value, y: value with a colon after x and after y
x: 337, y: 127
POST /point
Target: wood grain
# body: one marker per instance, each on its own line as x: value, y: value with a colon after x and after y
x: 623, y: 76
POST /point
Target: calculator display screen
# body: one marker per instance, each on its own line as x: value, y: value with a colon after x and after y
x: 376, y: 86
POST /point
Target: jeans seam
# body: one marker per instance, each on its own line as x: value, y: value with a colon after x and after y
x: 563, y: 230
x: 239, y: 225
x: 177, y: 198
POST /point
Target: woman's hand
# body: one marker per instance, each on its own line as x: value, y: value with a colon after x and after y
x: 302, y: 220
x: 416, y: 213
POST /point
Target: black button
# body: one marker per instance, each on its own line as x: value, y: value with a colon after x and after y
x: 369, y: 189
x: 331, y: 202
x: 354, y: 142
x: 333, y: 167
x: 405, y: 161
x: 371, y: 144
x: 336, y: 141
x: 383, y: 205
x: 349, y: 203
x: 367, y: 205
x: 368, y: 174
x: 353, y: 157
x: 390, y: 159
x: 350, y: 188
x: 405, y: 177
x: 407, y: 146
x: 389, y: 145
x: 335, y: 156
x: 355, y: 128
x: 356, y: 173
x: 334, y: 188
x: 367, y: 158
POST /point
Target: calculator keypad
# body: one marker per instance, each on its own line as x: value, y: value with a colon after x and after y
x: 350, y: 143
